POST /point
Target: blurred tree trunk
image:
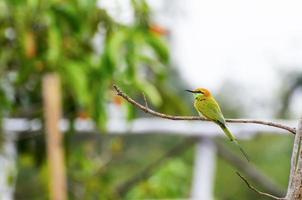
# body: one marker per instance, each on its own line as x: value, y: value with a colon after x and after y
x: 294, y: 191
x: 52, y: 113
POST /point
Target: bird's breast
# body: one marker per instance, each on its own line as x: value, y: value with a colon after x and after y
x: 198, y: 103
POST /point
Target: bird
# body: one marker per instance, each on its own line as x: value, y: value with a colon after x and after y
x: 207, y: 107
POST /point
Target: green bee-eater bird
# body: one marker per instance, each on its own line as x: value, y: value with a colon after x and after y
x: 207, y: 106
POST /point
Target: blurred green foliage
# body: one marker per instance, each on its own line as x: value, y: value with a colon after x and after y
x: 39, y: 36
x: 111, y: 160
x: 90, y: 50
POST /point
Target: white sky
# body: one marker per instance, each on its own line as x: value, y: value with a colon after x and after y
x: 237, y: 39
x: 251, y: 43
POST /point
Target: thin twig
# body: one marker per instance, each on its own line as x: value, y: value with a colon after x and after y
x: 257, y: 191
x: 145, y: 100
x: 249, y: 170
x: 161, y: 115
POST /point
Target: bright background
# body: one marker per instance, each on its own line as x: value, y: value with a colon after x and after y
x: 251, y: 45
x: 248, y: 53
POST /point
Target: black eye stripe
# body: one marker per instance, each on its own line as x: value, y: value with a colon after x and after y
x: 195, y: 91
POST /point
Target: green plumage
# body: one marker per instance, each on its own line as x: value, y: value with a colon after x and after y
x: 207, y: 106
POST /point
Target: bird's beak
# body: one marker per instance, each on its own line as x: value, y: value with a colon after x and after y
x: 190, y: 91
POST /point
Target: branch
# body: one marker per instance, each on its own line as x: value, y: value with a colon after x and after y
x: 257, y: 191
x: 295, y: 178
x: 161, y: 115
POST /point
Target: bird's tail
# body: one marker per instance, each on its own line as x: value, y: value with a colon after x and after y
x: 233, y: 139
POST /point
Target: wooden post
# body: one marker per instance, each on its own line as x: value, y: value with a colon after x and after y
x: 294, y: 191
x: 52, y: 114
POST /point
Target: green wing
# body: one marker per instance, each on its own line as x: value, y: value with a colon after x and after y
x: 210, y: 109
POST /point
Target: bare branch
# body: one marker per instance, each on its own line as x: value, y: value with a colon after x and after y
x: 161, y: 115
x: 257, y: 191
x: 295, y: 178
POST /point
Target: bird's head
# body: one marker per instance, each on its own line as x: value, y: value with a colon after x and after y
x: 200, y: 92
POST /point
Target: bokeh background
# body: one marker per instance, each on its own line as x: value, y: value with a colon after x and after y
x: 249, y: 54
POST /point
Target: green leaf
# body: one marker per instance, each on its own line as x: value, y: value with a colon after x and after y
x: 75, y: 76
x: 159, y: 46
x: 115, y: 47
x: 66, y: 15
x: 54, y: 46
x: 100, y: 109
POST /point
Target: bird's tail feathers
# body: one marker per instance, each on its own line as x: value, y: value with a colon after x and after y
x: 242, y: 151
x: 233, y: 139
x: 227, y: 132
